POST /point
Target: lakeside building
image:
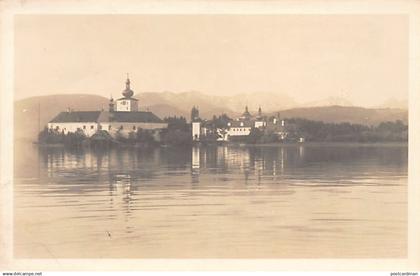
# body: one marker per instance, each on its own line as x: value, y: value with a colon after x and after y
x: 238, y: 128
x: 122, y: 118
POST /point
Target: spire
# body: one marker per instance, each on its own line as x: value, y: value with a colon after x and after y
x: 246, y: 114
x: 127, y: 82
x: 259, y: 111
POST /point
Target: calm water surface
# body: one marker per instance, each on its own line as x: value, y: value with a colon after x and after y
x: 325, y: 201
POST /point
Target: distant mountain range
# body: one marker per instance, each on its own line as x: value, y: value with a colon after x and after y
x: 351, y: 114
x: 27, y: 111
x: 210, y: 105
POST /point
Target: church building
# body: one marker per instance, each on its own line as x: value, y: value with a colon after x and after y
x: 122, y: 118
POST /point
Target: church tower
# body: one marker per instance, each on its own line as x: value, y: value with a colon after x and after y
x: 246, y: 115
x: 127, y: 103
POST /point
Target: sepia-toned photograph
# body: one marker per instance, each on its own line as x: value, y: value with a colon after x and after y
x: 210, y: 136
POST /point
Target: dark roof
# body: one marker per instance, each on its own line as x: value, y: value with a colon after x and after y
x: 76, y: 116
x: 105, y: 116
x: 130, y: 117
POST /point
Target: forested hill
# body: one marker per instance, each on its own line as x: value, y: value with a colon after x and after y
x: 350, y: 114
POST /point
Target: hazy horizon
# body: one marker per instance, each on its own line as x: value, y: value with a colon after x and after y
x: 362, y: 59
x: 332, y: 101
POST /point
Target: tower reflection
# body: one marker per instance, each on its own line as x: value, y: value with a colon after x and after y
x: 195, y: 164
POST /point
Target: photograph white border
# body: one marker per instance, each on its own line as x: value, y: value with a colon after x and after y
x: 9, y: 9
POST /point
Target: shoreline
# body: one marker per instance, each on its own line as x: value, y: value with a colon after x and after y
x: 332, y: 144
x: 230, y: 144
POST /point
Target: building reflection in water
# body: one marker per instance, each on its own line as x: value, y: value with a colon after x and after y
x: 195, y: 157
x: 195, y: 164
x: 120, y: 187
x: 251, y: 161
x: 301, y: 152
x: 257, y: 161
x: 119, y: 172
x: 282, y: 160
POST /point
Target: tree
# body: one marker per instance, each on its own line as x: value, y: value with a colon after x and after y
x: 177, y: 123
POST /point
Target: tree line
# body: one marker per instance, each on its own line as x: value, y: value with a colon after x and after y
x: 178, y: 133
x: 318, y: 131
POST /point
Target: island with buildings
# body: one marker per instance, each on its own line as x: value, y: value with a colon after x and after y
x: 125, y: 125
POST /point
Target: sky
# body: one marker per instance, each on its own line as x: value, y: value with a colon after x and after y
x: 361, y: 58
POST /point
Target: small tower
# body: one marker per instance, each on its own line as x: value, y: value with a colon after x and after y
x: 195, y: 114
x: 111, y: 104
x: 259, y: 122
x: 127, y: 103
x: 259, y: 112
x: 246, y: 115
x: 195, y: 124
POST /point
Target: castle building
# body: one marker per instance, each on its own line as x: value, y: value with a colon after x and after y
x: 239, y: 127
x: 244, y: 124
x: 122, y: 118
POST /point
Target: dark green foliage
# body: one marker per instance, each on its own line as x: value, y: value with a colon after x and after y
x: 178, y: 132
x: 345, y: 132
x: 175, y: 122
x: 120, y: 138
x: 75, y: 139
x: 210, y: 137
x: 176, y: 137
x: 220, y: 122
x: 268, y: 137
x: 255, y: 136
x: 48, y: 136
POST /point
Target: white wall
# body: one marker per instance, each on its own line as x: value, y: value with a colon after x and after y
x: 223, y: 133
x: 89, y: 131
x: 113, y: 127
x: 238, y: 131
x: 259, y: 124
x: 89, y: 128
x: 126, y: 105
x: 196, y: 126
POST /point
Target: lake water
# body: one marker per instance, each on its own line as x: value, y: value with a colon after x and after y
x: 309, y: 201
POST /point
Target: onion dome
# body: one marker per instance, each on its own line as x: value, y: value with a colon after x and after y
x: 128, y: 93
